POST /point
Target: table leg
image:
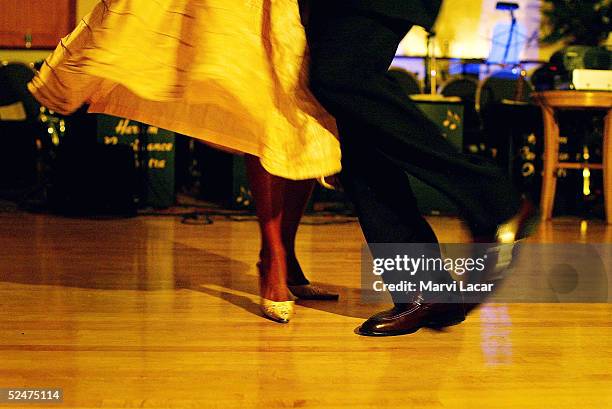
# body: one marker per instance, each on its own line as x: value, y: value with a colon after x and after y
x: 551, y: 159
x: 607, y: 165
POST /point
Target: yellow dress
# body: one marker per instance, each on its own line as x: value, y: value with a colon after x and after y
x: 232, y: 73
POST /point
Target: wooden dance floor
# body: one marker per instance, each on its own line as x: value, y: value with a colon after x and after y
x: 150, y: 312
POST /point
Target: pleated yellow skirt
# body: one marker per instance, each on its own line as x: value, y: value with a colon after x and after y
x: 232, y: 73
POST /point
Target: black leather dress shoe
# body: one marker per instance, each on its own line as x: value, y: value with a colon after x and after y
x: 503, y: 249
x: 502, y: 242
x: 408, y: 318
x: 519, y: 226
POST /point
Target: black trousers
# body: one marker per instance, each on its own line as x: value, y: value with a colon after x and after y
x: 384, y: 135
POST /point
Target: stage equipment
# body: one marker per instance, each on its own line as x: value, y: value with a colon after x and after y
x: 512, y: 127
x: 582, y: 57
x: 504, y: 5
x: 513, y: 134
x: 466, y: 89
x: 111, y: 166
x: 153, y: 150
x: 511, y: 7
x: 591, y: 80
x: 406, y: 80
x: 508, y: 86
x: 21, y: 133
x: 576, y: 67
x: 222, y: 177
x: 88, y: 178
x: 447, y: 114
x: 431, y: 64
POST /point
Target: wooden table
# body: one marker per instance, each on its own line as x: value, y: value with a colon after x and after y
x: 552, y: 102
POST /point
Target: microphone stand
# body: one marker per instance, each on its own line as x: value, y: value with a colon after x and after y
x: 431, y: 69
x: 509, y: 43
x: 518, y: 92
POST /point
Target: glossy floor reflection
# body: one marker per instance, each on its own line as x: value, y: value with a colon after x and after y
x: 149, y: 312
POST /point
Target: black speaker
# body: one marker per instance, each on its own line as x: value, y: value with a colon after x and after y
x: 89, y: 178
x: 153, y: 150
x: 514, y: 136
x: 222, y: 178
x: 448, y: 116
x: 19, y: 128
x: 582, y: 57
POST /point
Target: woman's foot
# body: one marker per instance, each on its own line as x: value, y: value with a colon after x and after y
x: 279, y: 311
x: 273, y: 281
x: 312, y: 292
x: 276, y: 302
x: 300, y: 287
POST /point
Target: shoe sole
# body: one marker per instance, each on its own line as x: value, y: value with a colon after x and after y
x: 323, y: 298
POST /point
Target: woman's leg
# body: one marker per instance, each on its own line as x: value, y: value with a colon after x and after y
x: 268, y: 193
x: 296, y: 195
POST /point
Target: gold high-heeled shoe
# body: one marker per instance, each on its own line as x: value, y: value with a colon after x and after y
x: 279, y: 311
x: 312, y: 292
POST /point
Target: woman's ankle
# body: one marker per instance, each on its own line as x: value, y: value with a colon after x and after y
x: 295, y: 274
x: 273, y: 280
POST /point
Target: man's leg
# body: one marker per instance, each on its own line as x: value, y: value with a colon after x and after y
x: 350, y: 55
x: 383, y: 134
x: 388, y: 213
x: 382, y: 195
x: 386, y: 206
